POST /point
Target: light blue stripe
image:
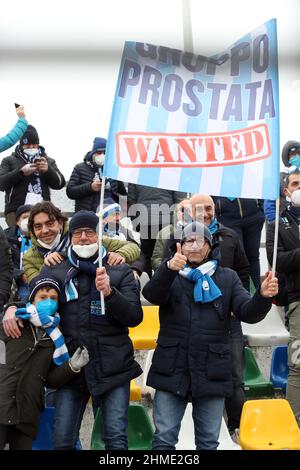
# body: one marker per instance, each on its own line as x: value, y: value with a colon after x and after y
x: 119, y: 115
x: 272, y: 165
x: 232, y: 178
x: 157, y: 122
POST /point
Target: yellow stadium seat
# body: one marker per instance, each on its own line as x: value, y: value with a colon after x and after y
x: 144, y: 335
x: 135, y: 391
x: 268, y: 425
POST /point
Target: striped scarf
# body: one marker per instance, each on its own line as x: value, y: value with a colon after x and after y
x: 25, y: 245
x: 50, y: 325
x: 205, y: 289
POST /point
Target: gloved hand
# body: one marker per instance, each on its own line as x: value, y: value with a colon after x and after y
x: 79, y: 359
x: 28, y: 169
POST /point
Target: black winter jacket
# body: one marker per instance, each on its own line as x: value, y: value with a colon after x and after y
x: 15, y: 184
x: 230, y: 212
x: 106, y: 337
x: 6, y: 270
x: 288, y: 253
x: 79, y: 187
x: 193, y: 353
x: 14, y: 241
x: 28, y: 369
x: 148, y: 197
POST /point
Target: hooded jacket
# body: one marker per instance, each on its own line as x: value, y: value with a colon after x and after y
x: 80, y: 189
x: 15, y: 184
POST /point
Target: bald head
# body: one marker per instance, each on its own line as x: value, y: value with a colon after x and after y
x: 203, y: 208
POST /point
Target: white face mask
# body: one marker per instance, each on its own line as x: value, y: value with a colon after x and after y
x: 99, y: 160
x: 85, y: 251
x: 52, y: 244
x: 24, y: 225
x: 31, y: 152
x: 295, y: 198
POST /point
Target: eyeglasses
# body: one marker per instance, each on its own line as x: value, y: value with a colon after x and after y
x: 198, y: 241
x: 89, y: 232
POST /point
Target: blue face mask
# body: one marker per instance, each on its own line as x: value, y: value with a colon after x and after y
x: 295, y: 160
x: 48, y: 307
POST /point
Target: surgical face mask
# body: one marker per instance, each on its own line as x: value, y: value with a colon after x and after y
x: 24, y: 225
x: 85, y: 251
x: 47, y: 307
x: 99, y: 160
x: 31, y: 152
x: 295, y: 198
x: 52, y: 244
x: 295, y: 160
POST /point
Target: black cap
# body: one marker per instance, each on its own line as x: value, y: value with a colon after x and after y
x: 22, y: 209
x: 83, y: 219
x: 30, y: 136
x: 39, y: 282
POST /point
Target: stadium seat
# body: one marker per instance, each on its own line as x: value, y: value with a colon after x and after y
x: 268, y: 425
x: 144, y: 335
x: 271, y: 331
x: 44, y: 440
x: 255, y: 385
x: 279, y: 368
x: 140, y: 430
x: 135, y: 391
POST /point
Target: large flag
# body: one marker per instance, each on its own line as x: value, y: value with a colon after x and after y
x: 192, y: 123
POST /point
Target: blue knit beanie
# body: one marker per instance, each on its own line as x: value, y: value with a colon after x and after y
x: 99, y: 144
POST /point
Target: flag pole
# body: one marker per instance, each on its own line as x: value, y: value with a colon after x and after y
x: 100, y: 237
x: 275, y: 236
x: 188, y: 44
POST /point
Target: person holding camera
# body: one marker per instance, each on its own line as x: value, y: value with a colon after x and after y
x: 27, y: 175
x: 16, y: 132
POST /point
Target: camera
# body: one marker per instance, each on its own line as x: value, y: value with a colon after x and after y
x: 37, y: 159
x: 17, y: 105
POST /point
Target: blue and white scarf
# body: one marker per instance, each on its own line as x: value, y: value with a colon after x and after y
x: 89, y: 267
x: 205, y: 289
x: 50, y: 325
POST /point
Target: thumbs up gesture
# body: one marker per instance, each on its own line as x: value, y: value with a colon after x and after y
x: 269, y: 287
x: 178, y: 261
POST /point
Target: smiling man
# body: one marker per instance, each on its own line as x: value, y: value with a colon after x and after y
x: 192, y: 360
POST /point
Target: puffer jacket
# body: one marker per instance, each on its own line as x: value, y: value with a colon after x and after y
x: 14, y: 135
x: 28, y: 369
x: 33, y: 259
x: 15, y: 184
x: 6, y: 271
x: 193, y: 352
x: 105, y: 336
x: 79, y: 187
x: 288, y: 253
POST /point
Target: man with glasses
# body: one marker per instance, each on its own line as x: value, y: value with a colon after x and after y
x: 192, y: 359
x: 112, y: 366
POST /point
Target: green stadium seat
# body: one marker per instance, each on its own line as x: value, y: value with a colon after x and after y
x: 140, y: 430
x: 255, y: 384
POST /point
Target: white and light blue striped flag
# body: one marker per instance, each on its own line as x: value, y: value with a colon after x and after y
x: 192, y: 123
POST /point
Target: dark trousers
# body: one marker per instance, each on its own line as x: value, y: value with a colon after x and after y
x: 249, y: 231
x: 16, y: 439
x: 235, y: 402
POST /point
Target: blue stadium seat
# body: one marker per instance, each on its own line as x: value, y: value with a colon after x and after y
x: 279, y: 368
x: 44, y: 438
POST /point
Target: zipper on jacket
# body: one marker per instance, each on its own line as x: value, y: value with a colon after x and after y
x: 10, y: 194
x: 240, y: 206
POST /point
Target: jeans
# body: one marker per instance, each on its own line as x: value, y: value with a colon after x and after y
x: 168, y: 411
x: 70, y: 404
x: 235, y: 402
